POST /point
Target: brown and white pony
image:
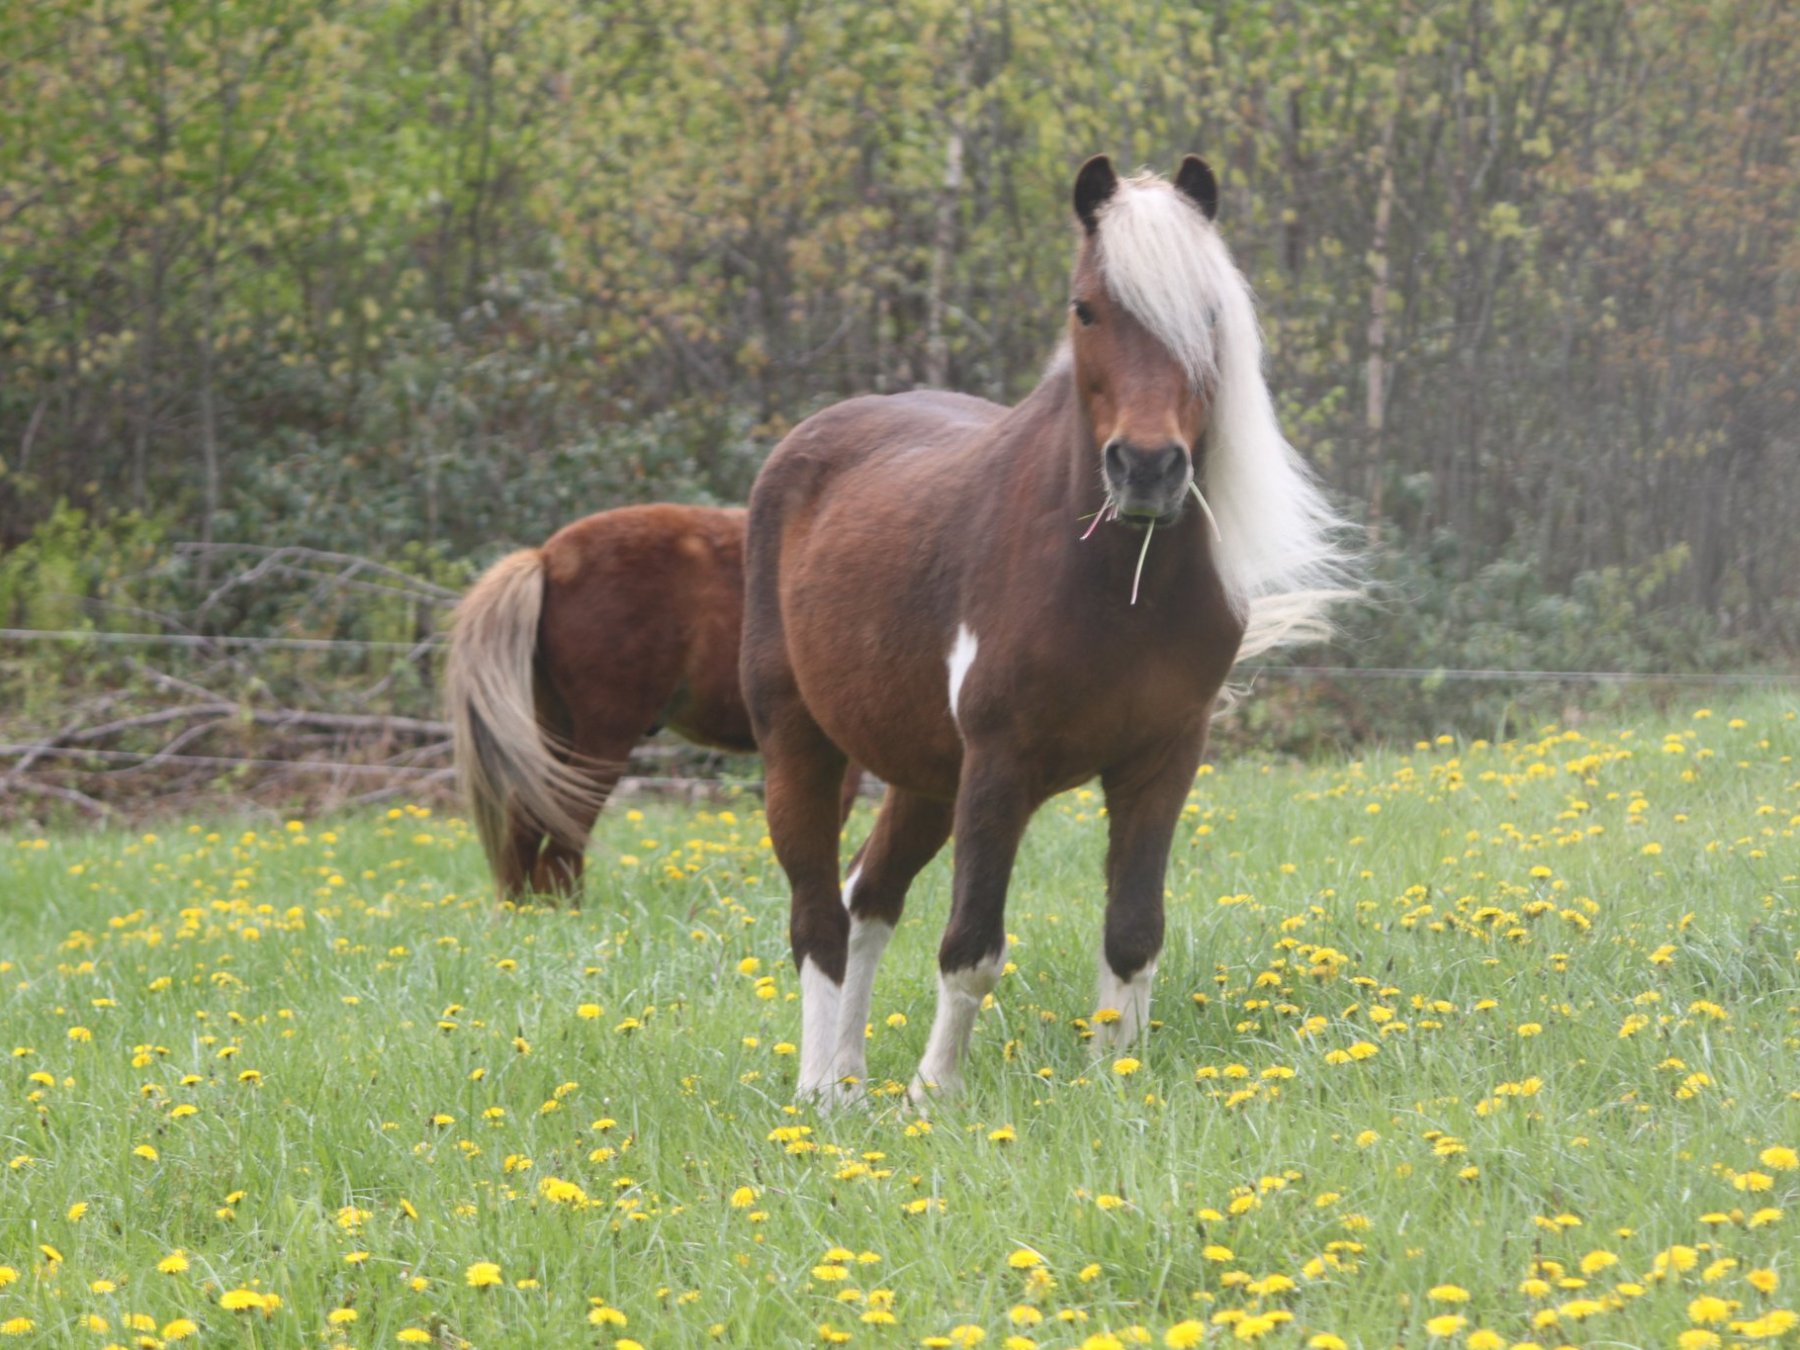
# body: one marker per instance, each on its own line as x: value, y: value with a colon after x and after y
x: 986, y: 606
x: 564, y: 657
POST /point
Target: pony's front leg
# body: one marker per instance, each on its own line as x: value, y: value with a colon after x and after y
x: 992, y: 809
x: 1144, y: 798
x: 907, y: 835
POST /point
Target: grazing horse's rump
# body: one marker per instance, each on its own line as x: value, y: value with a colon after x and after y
x: 987, y: 606
x: 564, y: 657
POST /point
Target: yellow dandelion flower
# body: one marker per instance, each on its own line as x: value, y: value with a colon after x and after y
x: 1184, y: 1335
x: 1326, y: 1341
x: 76, y: 1210
x: 17, y: 1326
x: 1125, y: 1066
x: 1024, y: 1315
x: 483, y: 1274
x: 743, y: 1197
x: 1483, y: 1339
x: 1779, y: 1158
x: 338, y: 1317
x: 1709, y: 1308
x: 174, y: 1263
x: 414, y: 1336
x: 1024, y: 1259
x: 180, y: 1329
x: 1697, y: 1338
x: 605, y: 1316
x: 240, y: 1300
x: 1448, y: 1293
x: 966, y: 1334
x: 1446, y: 1324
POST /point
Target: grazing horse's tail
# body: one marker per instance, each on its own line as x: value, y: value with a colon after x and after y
x: 512, y: 769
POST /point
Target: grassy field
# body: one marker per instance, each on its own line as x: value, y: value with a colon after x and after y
x: 1465, y: 1045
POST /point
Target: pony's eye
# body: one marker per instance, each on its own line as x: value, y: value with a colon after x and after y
x: 1082, y: 312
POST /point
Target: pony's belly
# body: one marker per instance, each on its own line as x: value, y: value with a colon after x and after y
x: 863, y: 617
x: 891, y: 721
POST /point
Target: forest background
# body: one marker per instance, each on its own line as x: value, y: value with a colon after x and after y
x: 308, y: 311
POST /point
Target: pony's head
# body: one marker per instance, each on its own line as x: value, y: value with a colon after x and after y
x: 1166, y: 355
x: 1143, y: 305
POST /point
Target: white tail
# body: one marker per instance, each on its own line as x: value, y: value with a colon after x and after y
x: 510, y: 767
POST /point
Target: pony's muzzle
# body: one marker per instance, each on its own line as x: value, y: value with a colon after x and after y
x: 1147, y: 481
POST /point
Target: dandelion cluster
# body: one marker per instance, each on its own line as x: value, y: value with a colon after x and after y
x: 1488, y: 1042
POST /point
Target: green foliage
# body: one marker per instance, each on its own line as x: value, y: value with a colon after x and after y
x: 375, y: 276
x: 75, y: 573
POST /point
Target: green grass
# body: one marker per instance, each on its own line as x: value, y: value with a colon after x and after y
x: 319, y: 1063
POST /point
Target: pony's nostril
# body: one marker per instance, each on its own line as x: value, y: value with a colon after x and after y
x: 1114, y: 460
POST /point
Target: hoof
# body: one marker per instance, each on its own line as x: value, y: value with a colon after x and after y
x: 833, y: 1096
x: 921, y: 1094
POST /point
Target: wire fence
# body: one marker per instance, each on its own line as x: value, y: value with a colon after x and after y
x: 425, y: 646
x: 75, y: 747
x: 220, y: 642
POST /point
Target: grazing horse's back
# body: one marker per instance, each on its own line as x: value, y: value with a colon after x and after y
x: 564, y: 657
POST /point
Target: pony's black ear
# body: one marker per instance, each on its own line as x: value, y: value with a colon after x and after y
x: 1094, y: 185
x: 1195, y: 181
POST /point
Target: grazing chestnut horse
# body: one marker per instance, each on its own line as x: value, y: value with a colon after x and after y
x: 564, y: 657
x: 986, y: 606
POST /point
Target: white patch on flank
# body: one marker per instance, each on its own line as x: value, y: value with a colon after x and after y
x: 1278, y: 553
x: 850, y: 884
x: 962, y: 656
x: 868, y: 940
x: 820, y: 999
x: 1130, y: 999
x: 960, y: 993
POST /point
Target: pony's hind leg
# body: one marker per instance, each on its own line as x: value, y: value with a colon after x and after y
x: 1143, y: 803
x: 907, y: 835
x: 599, y: 741
x: 802, y: 776
x: 553, y: 867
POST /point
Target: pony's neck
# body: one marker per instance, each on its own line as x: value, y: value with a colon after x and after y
x: 1057, y: 445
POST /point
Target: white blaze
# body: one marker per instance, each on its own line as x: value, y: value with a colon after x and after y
x: 962, y: 656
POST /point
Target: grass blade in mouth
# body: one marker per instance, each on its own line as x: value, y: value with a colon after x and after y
x: 1210, y: 518
x: 1143, y: 553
